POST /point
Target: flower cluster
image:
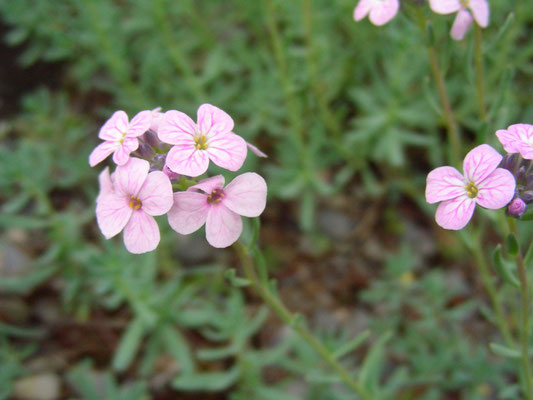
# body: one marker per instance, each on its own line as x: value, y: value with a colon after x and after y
x: 382, y: 11
x: 157, y: 153
x: 490, y: 180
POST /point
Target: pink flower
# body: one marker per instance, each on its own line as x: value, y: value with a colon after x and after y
x: 379, y: 11
x: 129, y: 199
x: 517, y: 138
x: 120, y: 137
x: 218, y: 207
x: 483, y: 183
x: 195, y: 144
x: 157, y: 117
x: 463, y: 20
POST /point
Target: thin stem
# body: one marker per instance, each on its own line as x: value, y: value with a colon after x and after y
x: 524, y: 331
x: 453, y: 134
x: 480, y: 80
x: 483, y: 266
x: 289, y: 318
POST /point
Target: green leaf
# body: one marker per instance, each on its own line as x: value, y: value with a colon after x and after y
x: 512, y: 246
x: 373, y: 363
x: 503, y: 267
x: 176, y: 345
x: 207, y: 382
x: 231, y: 276
x: 351, y: 345
x: 504, y: 351
x: 129, y: 344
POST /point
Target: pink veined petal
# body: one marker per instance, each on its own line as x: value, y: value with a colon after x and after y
x: 246, y: 195
x: 156, y: 194
x: 509, y: 139
x: 187, y: 160
x: 362, y: 9
x: 129, y: 178
x: 105, y: 183
x: 445, y: 6
x: 383, y: 12
x: 112, y: 214
x: 524, y: 132
x: 496, y: 190
x: 209, y: 184
x: 189, y: 212
x: 177, y: 128
x: 213, y: 121
x: 256, y: 150
x: 461, y: 24
x: 140, y: 124
x: 157, y: 118
x: 114, y: 127
x: 122, y: 154
x: 480, y: 162
x: 227, y: 151
x: 101, y: 152
x: 141, y: 234
x: 222, y: 227
x: 525, y: 150
x: 480, y: 11
x: 455, y: 213
x: 444, y: 183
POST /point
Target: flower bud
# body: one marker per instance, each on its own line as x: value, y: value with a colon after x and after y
x: 171, y: 174
x: 150, y: 137
x: 517, y: 207
x: 145, y: 151
x: 509, y: 162
x: 527, y: 196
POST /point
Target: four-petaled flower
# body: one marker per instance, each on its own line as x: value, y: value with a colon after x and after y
x: 517, y: 138
x: 218, y: 207
x: 483, y: 183
x: 120, y: 137
x: 379, y: 11
x: 211, y: 138
x: 463, y: 20
x: 129, y: 200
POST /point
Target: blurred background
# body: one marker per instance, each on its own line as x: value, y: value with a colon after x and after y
x: 351, y: 121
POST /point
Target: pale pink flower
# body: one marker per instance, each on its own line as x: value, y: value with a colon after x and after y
x: 211, y: 138
x: 129, y: 200
x: 218, y: 207
x: 517, y: 138
x: 464, y: 9
x: 482, y: 183
x: 379, y: 11
x: 120, y: 137
x: 157, y: 117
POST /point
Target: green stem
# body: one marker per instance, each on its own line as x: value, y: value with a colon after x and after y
x: 524, y: 331
x: 289, y: 318
x: 454, y: 140
x: 483, y: 267
x: 480, y: 80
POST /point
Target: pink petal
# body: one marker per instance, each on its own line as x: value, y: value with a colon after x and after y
x: 383, y: 12
x: 362, y: 9
x: 129, y: 178
x: 140, y: 124
x: 246, y: 195
x: 122, y: 154
x: 444, y: 183
x: 213, y: 121
x: 112, y: 214
x: 509, y: 139
x: 256, y: 150
x: 455, y: 213
x: 496, y: 190
x: 461, y: 24
x: 480, y: 162
x: 480, y: 10
x: 157, y: 118
x: 187, y: 160
x: 101, y: 152
x: 141, y: 234
x: 525, y: 150
x: 517, y: 139
x: 115, y: 127
x: 156, y: 194
x: 222, y: 227
x: 445, y: 6
x: 227, y: 151
x: 106, y: 184
x: 209, y: 184
x: 177, y: 128
x: 189, y: 212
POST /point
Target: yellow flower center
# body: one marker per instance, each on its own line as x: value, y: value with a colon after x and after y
x: 216, y: 196
x: 465, y: 3
x: 135, y: 203
x: 200, y: 142
x: 471, y: 190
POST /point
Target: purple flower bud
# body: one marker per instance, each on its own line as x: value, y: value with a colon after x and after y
x: 509, y: 162
x: 171, y: 174
x: 517, y: 207
x: 145, y: 151
x: 521, y: 174
x: 527, y: 196
x: 150, y: 137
